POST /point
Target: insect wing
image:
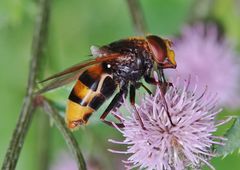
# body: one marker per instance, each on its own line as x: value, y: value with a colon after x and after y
x: 72, y: 73
x: 60, y: 81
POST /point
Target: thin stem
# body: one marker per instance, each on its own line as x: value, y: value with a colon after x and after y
x: 201, y: 9
x: 68, y: 136
x: 137, y: 16
x: 43, y: 141
x: 28, y: 108
x: 18, y: 136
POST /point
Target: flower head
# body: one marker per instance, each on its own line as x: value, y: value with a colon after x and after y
x: 161, y: 146
x: 202, y: 52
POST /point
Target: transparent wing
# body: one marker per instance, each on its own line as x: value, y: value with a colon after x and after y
x: 72, y: 73
x: 60, y: 81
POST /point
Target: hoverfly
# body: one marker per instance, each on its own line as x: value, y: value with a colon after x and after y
x: 120, y: 64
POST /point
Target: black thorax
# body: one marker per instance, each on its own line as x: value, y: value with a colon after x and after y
x: 135, y: 60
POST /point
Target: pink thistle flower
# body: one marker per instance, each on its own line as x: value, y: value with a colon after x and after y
x: 162, y: 146
x: 201, y: 52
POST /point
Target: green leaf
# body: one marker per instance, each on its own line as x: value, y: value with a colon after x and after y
x: 233, y: 136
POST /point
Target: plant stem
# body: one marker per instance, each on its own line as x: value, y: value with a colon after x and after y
x: 28, y: 108
x: 201, y: 9
x: 43, y: 141
x: 68, y: 136
x: 137, y: 17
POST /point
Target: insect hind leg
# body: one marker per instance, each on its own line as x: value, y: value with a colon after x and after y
x: 115, y: 103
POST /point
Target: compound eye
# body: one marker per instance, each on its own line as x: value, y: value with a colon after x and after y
x: 158, y: 48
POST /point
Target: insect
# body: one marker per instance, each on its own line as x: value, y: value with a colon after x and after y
x: 118, y: 66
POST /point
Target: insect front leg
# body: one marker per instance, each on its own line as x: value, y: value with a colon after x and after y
x: 163, y: 81
x: 115, y: 103
x: 162, y: 86
x: 168, y: 65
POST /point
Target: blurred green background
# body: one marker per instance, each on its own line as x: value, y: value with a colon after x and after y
x: 75, y: 25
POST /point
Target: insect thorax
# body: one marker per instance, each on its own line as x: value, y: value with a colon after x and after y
x: 134, y: 62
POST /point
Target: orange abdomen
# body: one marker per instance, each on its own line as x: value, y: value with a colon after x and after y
x: 91, y: 90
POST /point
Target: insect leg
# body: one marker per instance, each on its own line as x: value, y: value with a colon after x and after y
x: 163, y: 81
x: 145, y: 87
x: 132, y: 101
x: 116, y: 102
x: 167, y: 65
x: 162, y: 87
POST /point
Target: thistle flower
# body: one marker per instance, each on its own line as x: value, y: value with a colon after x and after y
x: 202, y: 52
x: 161, y: 146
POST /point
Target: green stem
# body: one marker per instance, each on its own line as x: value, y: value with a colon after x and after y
x: 28, y: 107
x: 43, y: 141
x: 201, y: 9
x: 137, y: 17
x: 68, y: 136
